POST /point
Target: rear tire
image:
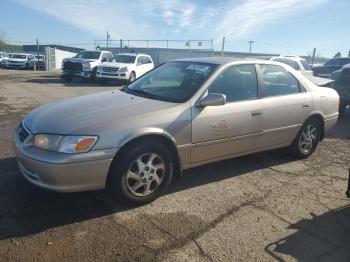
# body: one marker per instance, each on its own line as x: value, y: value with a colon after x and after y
x: 68, y: 78
x: 93, y: 75
x: 305, y: 143
x: 141, y: 174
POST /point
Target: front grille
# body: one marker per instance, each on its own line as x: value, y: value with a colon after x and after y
x: 22, y: 132
x: 72, y: 66
x: 110, y: 69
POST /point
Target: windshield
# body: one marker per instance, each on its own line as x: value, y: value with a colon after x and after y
x: 306, y: 66
x: 19, y: 56
x: 127, y: 59
x: 88, y: 55
x: 173, y: 82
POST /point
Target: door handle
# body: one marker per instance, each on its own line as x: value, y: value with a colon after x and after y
x: 256, y: 113
x: 306, y: 106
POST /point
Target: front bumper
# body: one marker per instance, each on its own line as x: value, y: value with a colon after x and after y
x: 20, y: 65
x: 77, y: 74
x: 63, y: 172
x: 110, y: 76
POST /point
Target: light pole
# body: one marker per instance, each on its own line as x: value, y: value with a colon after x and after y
x: 250, y: 46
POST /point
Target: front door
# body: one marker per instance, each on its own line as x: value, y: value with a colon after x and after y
x: 233, y: 128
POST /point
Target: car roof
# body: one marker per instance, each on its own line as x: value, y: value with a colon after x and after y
x: 218, y: 60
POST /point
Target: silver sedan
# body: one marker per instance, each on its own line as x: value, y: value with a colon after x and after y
x: 182, y: 114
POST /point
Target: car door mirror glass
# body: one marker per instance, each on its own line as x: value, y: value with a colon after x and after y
x: 212, y: 99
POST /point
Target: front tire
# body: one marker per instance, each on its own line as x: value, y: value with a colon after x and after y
x: 141, y: 174
x: 132, y: 77
x: 305, y: 143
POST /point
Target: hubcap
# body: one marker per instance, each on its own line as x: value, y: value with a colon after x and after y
x: 307, y: 139
x: 145, y: 174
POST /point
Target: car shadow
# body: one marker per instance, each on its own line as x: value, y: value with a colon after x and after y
x: 321, y: 238
x: 341, y: 129
x: 26, y: 209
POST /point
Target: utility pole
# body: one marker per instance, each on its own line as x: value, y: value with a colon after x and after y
x: 37, y: 48
x: 107, y: 38
x: 223, y: 46
x: 37, y: 54
x: 250, y: 46
x: 313, y: 56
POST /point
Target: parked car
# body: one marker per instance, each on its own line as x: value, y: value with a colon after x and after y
x: 330, y: 66
x: 40, y: 62
x: 182, y: 114
x: 84, y: 64
x: 295, y: 62
x: 3, y: 58
x: 342, y: 85
x: 18, y: 61
x: 125, y: 68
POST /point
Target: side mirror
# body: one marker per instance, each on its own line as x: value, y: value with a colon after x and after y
x: 104, y: 60
x: 212, y: 99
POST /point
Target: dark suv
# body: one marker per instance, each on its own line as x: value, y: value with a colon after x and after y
x: 342, y: 85
x: 330, y: 66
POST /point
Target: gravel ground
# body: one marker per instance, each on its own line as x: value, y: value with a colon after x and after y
x: 261, y: 207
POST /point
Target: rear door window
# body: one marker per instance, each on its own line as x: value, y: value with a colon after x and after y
x: 277, y: 81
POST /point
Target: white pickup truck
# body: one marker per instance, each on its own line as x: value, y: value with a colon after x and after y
x: 84, y: 64
x: 124, y: 68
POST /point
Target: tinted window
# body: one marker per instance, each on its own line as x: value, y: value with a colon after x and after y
x: 19, y: 56
x: 278, y: 81
x: 332, y: 62
x: 288, y: 62
x: 127, y: 59
x: 237, y: 82
x: 148, y: 60
x: 88, y: 55
x: 174, y: 81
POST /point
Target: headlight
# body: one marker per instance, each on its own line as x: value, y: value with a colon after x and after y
x: 86, y: 67
x: 123, y: 70
x: 65, y: 144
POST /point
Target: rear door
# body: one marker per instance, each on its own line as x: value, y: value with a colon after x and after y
x: 286, y: 105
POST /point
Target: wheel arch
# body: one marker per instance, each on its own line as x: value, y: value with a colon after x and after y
x: 153, y: 135
x: 320, y: 119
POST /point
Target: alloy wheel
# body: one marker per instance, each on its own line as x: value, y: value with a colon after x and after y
x: 307, y: 139
x: 145, y: 174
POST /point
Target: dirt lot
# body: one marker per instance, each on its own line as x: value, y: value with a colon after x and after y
x: 264, y: 207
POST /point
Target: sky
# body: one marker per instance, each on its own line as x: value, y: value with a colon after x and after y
x: 275, y: 26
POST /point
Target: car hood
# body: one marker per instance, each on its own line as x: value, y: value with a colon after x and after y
x: 116, y: 65
x: 88, y: 113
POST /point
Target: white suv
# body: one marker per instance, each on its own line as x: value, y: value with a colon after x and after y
x: 295, y: 62
x: 21, y: 61
x: 3, y: 58
x: 125, y: 67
